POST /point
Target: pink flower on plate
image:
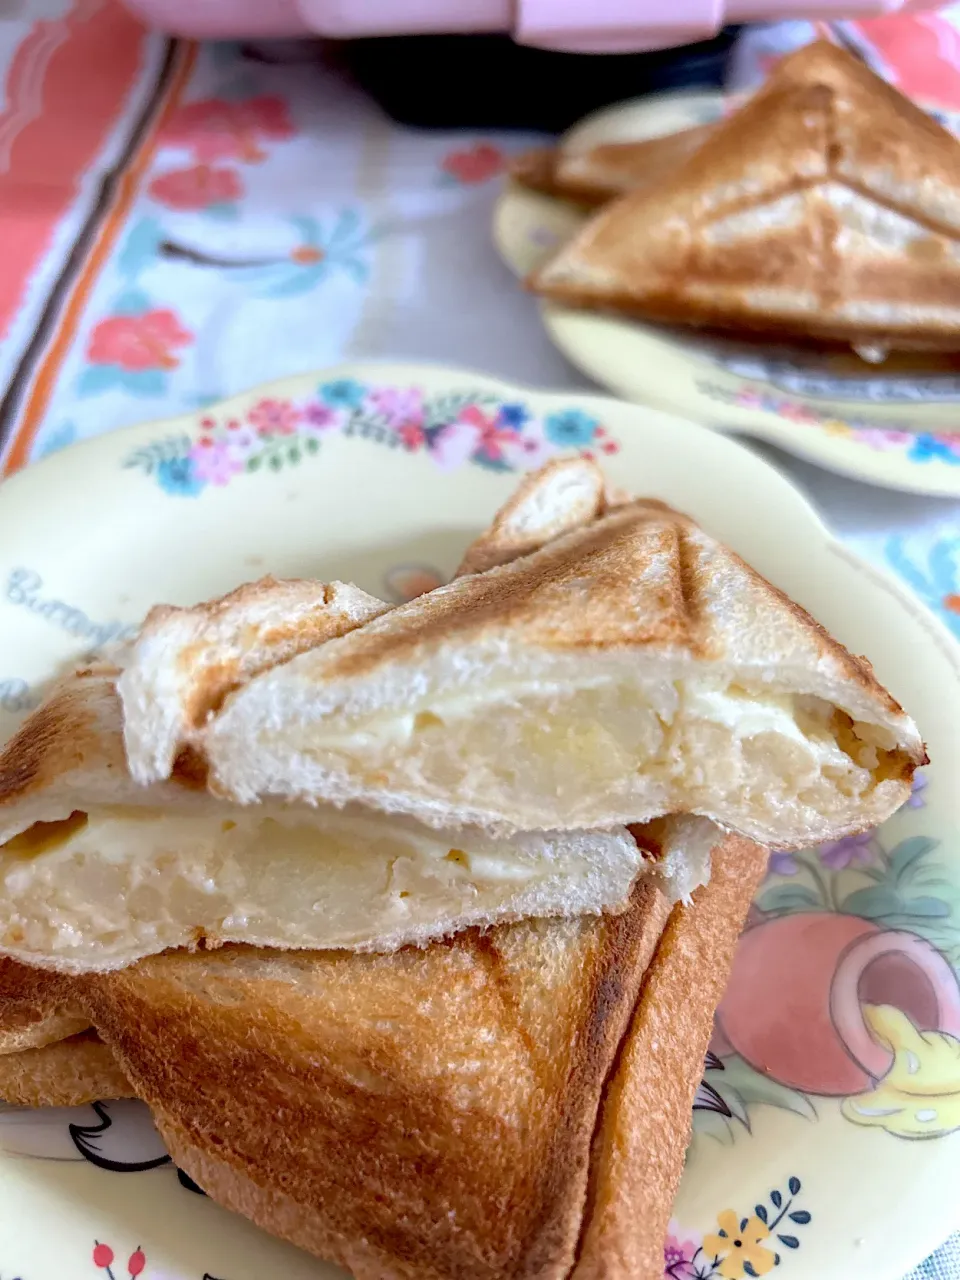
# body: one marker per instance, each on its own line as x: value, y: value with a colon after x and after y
x: 321, y: 419
x: 492, y: 437
x: 749, y: 400
x: 140, y: 342
x: 454, y: 445
x: 213, y: 462
x: 215, y: 129
x: 795, y: 412
x: 241, y: 441
x: 528, y: 450
x: 401, y: 406
x: 412, y: 435
x: 678, y: 1255
x: 877, y: 438
x: 406, y: 582
x: 198, y: 187
x: 274, y: 417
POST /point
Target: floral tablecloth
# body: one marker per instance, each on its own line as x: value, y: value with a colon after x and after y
x: 180, y: 223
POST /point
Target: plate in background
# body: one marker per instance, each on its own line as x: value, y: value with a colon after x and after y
x: 887, y: 429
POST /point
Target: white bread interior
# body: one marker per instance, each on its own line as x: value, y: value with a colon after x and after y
x: 97, y: 871
x: 633, y: 668
x: 185, y: 660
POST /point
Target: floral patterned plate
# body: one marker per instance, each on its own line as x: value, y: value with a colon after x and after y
x: 895, y: 425
x: 827, y: 1126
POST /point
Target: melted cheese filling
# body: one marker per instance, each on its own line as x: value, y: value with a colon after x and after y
x: 614, y: 753
x: 124, y: 880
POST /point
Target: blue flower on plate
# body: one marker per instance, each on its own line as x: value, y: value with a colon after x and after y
x: 344, y: 393
x: 570, y: 429
x: 930, y: 448
x: 513, y: 416
x: 176, y: 476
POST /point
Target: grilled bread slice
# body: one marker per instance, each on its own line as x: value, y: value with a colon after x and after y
x: 827, y: 208
x: 630, y: 669
x: 97, y: 871
x: 511, y: 1103
x: 67, y: 1073
x: 595, y: 175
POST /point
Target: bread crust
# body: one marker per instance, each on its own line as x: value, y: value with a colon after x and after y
x: 309, y: 1094
x: 634, y: 1174
x: 601, y: 173
x: 68, y: 1073
x: 401, y: 1157
x: 826, y: 208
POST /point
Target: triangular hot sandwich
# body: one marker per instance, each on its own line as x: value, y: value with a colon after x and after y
x: 515, y: 1103
x: 630, y: 669
x: 827, y: 207
x: 98, y: 870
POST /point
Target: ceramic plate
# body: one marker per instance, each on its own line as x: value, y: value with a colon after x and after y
x: 874, y: 423
x: 812, y: 1141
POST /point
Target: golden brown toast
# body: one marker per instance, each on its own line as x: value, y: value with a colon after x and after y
x: 36, y: 1008
x: 632, y: 668
x: 68, y: 1073
x: 467, y: 1110
x: 601, y: 173
x: 430, y: 1113
x: 825, y: 208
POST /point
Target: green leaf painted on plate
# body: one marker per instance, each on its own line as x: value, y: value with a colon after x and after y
x: 783, y: 898
x: 927, y: 908
x: 876, y: 903
x: 908, y: 853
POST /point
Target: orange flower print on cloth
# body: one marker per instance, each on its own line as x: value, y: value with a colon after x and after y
x: 134, y: 352
x: 215, y: 129
x: 198, y: 187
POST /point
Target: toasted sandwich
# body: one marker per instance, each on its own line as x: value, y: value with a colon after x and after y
x: 827, y: 208
x: 594, y: 175
x: 510, y: 1103
x: 99, y: 870
x: 629, y: 669
x: 515, y: 1101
